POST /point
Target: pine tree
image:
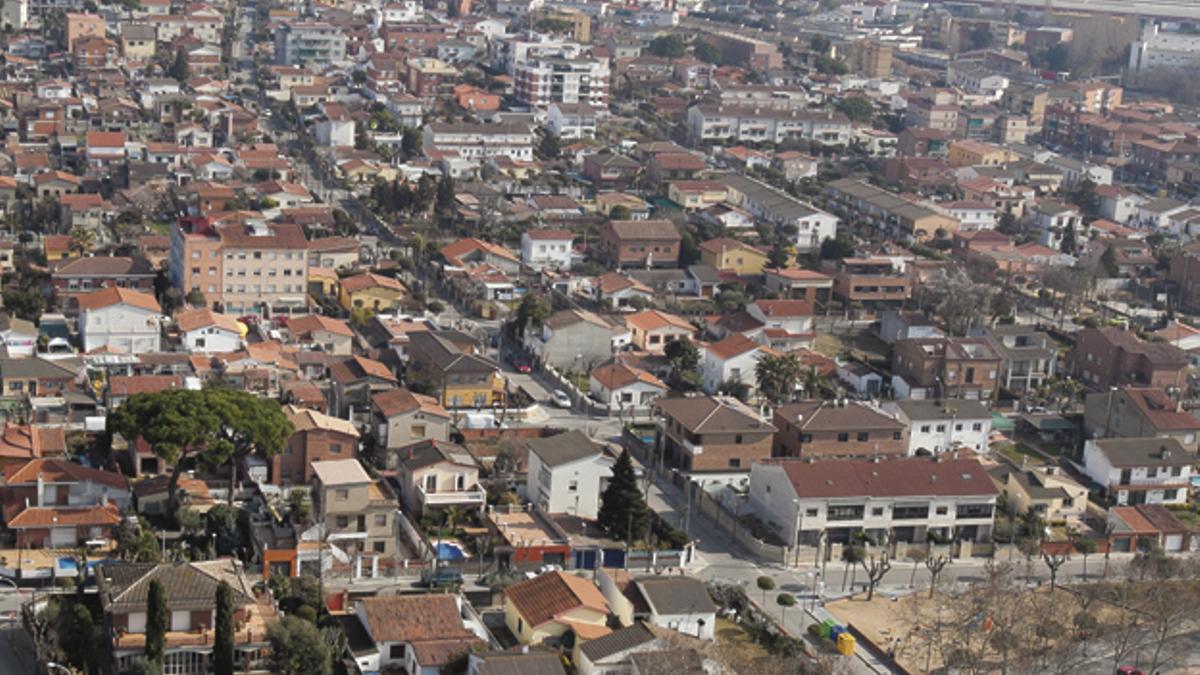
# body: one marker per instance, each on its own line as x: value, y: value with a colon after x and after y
x: 623, y: 512
x: 223, y: 637
x: 157, y: 618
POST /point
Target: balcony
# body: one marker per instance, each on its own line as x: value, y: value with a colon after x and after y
x: 475, y: 496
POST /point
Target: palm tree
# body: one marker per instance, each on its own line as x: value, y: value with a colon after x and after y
x: 778, y: 375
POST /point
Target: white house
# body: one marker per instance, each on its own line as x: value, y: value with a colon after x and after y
x: 205, y: 331
x: 1052, y: 220
x: 418, y: 634
x: 1140, y: 470
x: 972, y: 215
x: 681, y: 604
x: 335, y: 132
x: 569, y: 121
x: 622, y: 387
x: 732, y: 359
x: 18, y: 335
x: 938, y: 426
x: 543, y: 249
x: 121, y: 319
x: 913, y: 498
x: 567, y: 474
x: 787, y: 324
x: 622, y: 293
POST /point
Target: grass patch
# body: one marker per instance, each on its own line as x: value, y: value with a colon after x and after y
x: 829, y: 345
x: 733, y: 636
x: 1019, y: 452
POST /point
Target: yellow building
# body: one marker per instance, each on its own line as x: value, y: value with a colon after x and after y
x: 731, y: 255
x: 697, y: 194
x: 978, y: 153
x: 551, y: 604
x: 446, y: 362
x: 372, y: 291
x: 322, y: 281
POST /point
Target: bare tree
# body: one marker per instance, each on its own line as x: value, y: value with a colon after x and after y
x: 1053, y: 562
x: 876, y: 569
x: 935, y: 565
x: 918, y: 555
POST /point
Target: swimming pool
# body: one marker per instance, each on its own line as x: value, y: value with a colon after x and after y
x: 449, y: 551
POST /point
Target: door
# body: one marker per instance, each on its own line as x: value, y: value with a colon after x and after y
x: 62, y: 536
x: 181, y: 620
x: 1174, y: 542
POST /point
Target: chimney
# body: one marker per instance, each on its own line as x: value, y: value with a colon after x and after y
x: 41, y: 488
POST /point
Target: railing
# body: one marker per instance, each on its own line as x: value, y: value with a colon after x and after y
x: 452, y: 497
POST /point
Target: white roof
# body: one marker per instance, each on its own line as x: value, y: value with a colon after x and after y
x: 340, y: 472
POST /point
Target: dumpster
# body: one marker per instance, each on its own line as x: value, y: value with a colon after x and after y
x: 845, y: 644
x: 835, y: 632
x: 826, y: 626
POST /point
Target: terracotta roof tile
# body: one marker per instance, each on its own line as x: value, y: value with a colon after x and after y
x: 113, y: 295
x: 550, y: 595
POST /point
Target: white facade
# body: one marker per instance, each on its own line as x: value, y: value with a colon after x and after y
x: 211, y: 340
x: 573, y: 488
x: 943, y: 432
x: 1163, y: 51
x: 635, y: 395
x: 716, y: 370
x: 335, y: 133
x: 1127, y: 484
x: 543, y: 81
x: 571, y: 122
x: 132, y: 330
x: 477, y: 141
x: 723, y: 124
x: 552, y: 252
x: 299, y: 42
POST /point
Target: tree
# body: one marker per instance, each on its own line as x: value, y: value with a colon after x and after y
x: 957, y: 299
x: 223, y: 631
x: 1068, y: 243
x: 158, y: 619
x: 410, y: 142
x: 935, y: 564
x: 765, y: 584
x: 784, y: 600
x: 623, y: 512
x: 188, y: 520
x: 857, y: 108
x: 852, y: 555
x: 1084, y: 196
x: 80, y: 638
x: 550, y: 147
x: 876, y: 569
x: 248, y: 424
x: 668, y: 46
x: 1086, y: 547
x: 837, y: 248
x: 917, y: 555
x: 532, y: 309
x: 778, y: 376
x: 82, y: 241
x: 299, y: 506
x: 819, y: 44
x: 778, y: 255
x: 620, y: 212
x: 195, y: 298
x: 684, y: 357
x: 1108, y: 262
x: 1053, y: 563
x: 706, y: 52
x: 827, y: 65
x: 297, y: 648
x: 179, y: 67
x: 445, y: 193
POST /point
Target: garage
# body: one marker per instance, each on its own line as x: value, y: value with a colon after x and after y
x: 62, y: 537
x: 1173, y: 542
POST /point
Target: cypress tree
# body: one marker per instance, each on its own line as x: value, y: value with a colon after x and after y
x: 223, y: 638
x: 623, y: 512
x: 157, y: 621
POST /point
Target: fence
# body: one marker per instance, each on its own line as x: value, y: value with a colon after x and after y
x: 416, y: 541
x: 729, y: 522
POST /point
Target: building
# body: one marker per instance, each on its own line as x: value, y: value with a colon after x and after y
x: 887, y: 213
x: 798, y: 284
x: 745, y: 50
x: 476, y: 142
x: 542, y: 249
x: 83, y: 275
x: 872, y: 283
x: 358, y: 513
x: 873, y: 58
x: 652, y: 330
x: 730, y: 363
x: 403, y: 417
x: 780, y: 209
x: 250, y: 268
x: 937, y: 426
x: 1045, y: 490
x: 977, y: 153
x: 1112, y: 357
x: 545, y: 607
x: 316, y: 332
x: 639, y: 243
x: 542, y: 81
x: 571, y: 121
x: 622, y: 387
x: 949, y: 367
x: 1139, y: 412
x: 412, y: 633
x: 731, y: 255
x: 679, y: 603
x: 567, y: 474
x: 715, y: 123
x: 1135, y: 471
x: 120, y: 319
x: 205, y: 331
x: 375, y: 292
x: 1030, y: 357
x: 571, y: 339
x: 907, y: 500
x: 823, y: 429
x: 1159, y: 51
x: 309, y: 42
x: 316, y: 437
x: 712, y: 435
x: 435, y: 474
x: 447, y: 362
x: 191, y: 597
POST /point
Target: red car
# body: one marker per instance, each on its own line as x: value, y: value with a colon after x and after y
x: 519, y: 364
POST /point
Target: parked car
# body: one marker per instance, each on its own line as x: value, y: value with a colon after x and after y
x: 560, y: 398
x: 519, y: 363
x: 444, y: 578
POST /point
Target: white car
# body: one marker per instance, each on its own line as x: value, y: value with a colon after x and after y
x: 560, y: 398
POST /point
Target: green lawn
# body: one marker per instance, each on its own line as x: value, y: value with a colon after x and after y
x: 1019, y: 452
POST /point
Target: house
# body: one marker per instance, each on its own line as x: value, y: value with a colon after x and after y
x: 778, y: 208
x: 873, y: 283
x: 787, y: 325
x: 1145, y: 527
x: 20, y: 443
x: 1029, y: 358
x: 622, y: 387
x: 190, y: 590
x: 797, y: 284
x: 681, y: 604
x: 821, y: 429
x: 1139, y: 412
x: 322, y: 333
x: 543, y: 249
x: 79, y: 276
x: 608, y: 171
x: 567, y: 474
x: 569, y: 121
x: 446, y: 362
x: 68, y: 527
x: 652, y: 329
x: 639, y: 243
x: 895, y: 324
x: 516, y: 662
x: 357, y: 512
x: 315, y: 437
x: 622, y: 292
x: 545, y: 607
x: 355, y: 379
x: 471, y: 251
x: 730, y: 255
x: 1045, y: 490
x: 58, y: 482
x: 120, y: 319
x: 730, y: 362
x: 205, y: 331
x: 417, y: 634
x: 951, y: 367
x: 35, y: 376
x: 371, y: 291
x: 436, y: 474
x: 697, y: 195
x: 403, y: 417
x: 1110, y: 357
x: 571, y: 339
x: 613, y: 653
x: 909, y: 500
x: 712, y: 435
x: 938, y: 426
x: 1134, y: 471
x: 18, y: 336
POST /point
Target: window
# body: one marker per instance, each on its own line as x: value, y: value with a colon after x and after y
x: 806, y: 438
x: 397, y: 652
x: 811, y: 513
x: 1170, y: 495
x: 735, y: 463
x: 343, y: 521
x: 335, y: 448
x: 379, y: 546
x: 896, y: 435
x: 850, y: 512
x: 958, y: 427
x: 863, y: 436
x: 1177, y: 471
x: 877, y: 511
x: 843, y: 437
x: 942, y: 510
x: 737, y: 439
x: 381, y: 520
x: 978, y: 426
x: 341, y: 494
x: 941, y: 428
x: 924, y: 428
x: 573, y: 486
x: 974, y: 511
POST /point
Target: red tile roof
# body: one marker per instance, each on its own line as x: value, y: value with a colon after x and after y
x: 550, y: 595
x: 113, y: 295
x: 60, y: 516
x: 917, y: 477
